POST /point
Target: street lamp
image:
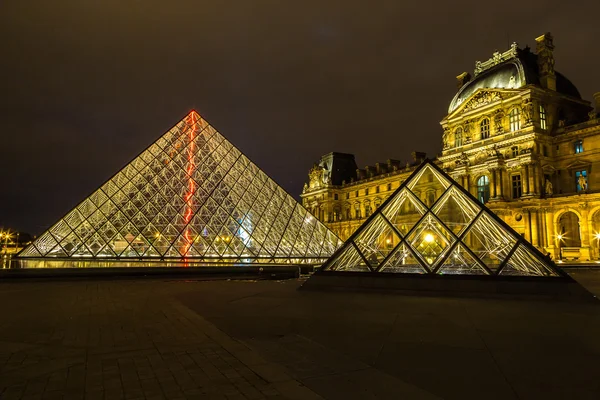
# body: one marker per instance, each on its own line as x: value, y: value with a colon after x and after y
x: 560, y: 237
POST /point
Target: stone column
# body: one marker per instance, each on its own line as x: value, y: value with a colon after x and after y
x: 527, y: 224
x: 494, y: 192
x: 533, y: 220
x: 543, y: 228
x: 526, y: 179
x: 584, y: 232
x: 500, y: 184
x: 583, y: 226
x: 534, y: 178
x: 552, y: 231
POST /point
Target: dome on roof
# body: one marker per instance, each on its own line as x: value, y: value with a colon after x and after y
x: 520, y: 69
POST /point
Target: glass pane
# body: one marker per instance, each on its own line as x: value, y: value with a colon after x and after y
x: 349, y: 259
x: 376, y: 240
x: 490, y: 242
x: 456, y: 210
x: 429, y: 184
x: 430, y: 239
x: 461, y: 262
x: 404, y: 211
x: 404, y: 261
x: 524, y: 262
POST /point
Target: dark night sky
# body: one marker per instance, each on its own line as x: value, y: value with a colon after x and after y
x: 86, y: 85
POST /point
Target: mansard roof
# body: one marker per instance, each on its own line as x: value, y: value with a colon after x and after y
x: 512, y: 69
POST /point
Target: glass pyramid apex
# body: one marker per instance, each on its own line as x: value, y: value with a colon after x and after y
x: 431, y: 225
x: 190, y: 195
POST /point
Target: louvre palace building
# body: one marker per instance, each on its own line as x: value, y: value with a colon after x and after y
x: 517, y: 136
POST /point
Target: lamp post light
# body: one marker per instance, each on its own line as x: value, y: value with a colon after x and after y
x: 560, y: 238
x: 6, y: 236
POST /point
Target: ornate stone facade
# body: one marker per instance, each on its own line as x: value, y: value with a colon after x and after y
x: 520, y: 138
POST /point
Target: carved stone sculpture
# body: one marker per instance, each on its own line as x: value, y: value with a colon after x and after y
x: 481, y: 99
x: 548, y: 188
x: 582, y: 182
x: 527, y: 107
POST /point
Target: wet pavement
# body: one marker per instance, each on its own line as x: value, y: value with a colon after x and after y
x: 172, y: 338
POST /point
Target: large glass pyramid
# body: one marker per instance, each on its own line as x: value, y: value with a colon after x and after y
x: 189, y: 195
x: 431, y: 225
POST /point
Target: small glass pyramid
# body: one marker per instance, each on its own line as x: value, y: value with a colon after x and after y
x: 431, y: 225
x: 189, y: 195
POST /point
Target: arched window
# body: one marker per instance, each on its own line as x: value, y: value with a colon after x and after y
x: 458, y: 137
x: 483, y: 189
x: 569, y: 228
x: 515, y: 119
x: 357, y: 211
x: 484, y: 128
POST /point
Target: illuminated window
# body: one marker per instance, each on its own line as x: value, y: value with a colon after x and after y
x: 515, y: 151
x: 542, y: 117
x: 579, y: 146
x: 458, y: 137
x: 389, y: 187
x: 377, y: 189
x: 581, y: 180
x: 357, y: 210
x: 366, y: 191
x: 517, y: 191
x: 484, y: 128
x: 367, y: 210
x: 515, y: 119
x: 483, y: 189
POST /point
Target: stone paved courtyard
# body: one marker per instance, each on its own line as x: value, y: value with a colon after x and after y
x: 187, y: 339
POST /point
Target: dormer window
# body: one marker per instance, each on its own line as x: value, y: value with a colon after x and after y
x: 515, y: 119
x: 484, y: 128
x: 458, y: 137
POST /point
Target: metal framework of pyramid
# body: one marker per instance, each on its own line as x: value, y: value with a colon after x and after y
x: 431, y: 225
x: 189, y: 195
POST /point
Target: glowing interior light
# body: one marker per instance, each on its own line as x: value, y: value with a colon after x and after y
x: 429, y: 238
x: 191, y: 186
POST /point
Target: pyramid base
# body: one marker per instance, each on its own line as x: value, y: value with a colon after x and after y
x: 542, y: 288
x: 161, y: 272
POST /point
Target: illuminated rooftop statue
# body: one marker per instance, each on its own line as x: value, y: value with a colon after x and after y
x: 431, y: 225
x: 189, y: 195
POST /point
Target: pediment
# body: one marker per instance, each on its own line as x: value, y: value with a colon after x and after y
x: 579, y: 164
x: 483, y: 97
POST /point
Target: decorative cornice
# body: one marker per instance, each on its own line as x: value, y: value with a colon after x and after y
x: 496, y: 59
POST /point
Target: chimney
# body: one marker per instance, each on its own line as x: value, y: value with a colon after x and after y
x: 418, y: 156
x: 595, y: 113
x: 545, y: 60
x: 462, y: 79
